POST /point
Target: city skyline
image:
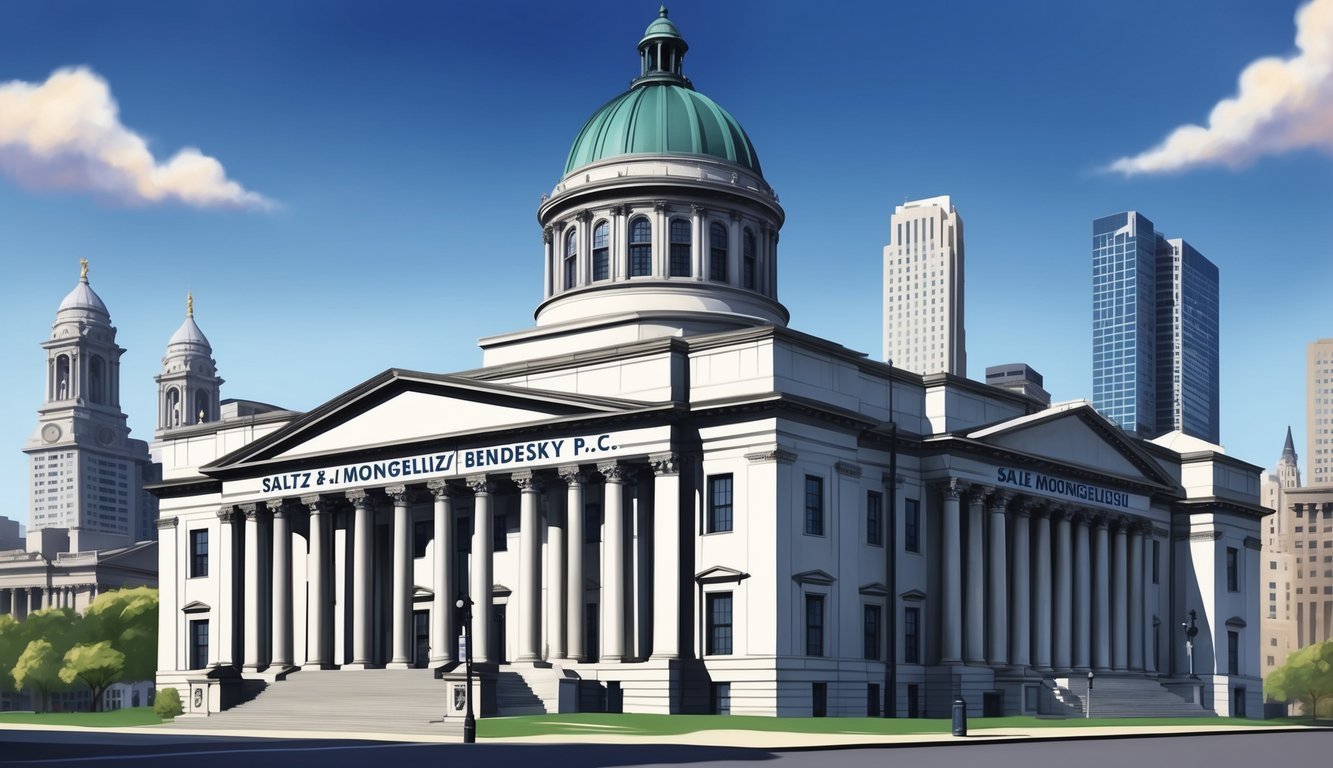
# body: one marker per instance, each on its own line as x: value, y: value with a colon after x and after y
x: 366, y: 182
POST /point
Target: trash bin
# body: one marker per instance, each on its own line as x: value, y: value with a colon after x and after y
x: 959, y: 717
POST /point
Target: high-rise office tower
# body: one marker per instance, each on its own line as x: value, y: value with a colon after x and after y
x: 1319, y: 412
x: 1154, y: 330
x: 923, y: 288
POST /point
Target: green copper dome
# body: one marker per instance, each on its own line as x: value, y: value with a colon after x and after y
x: 661, y: 113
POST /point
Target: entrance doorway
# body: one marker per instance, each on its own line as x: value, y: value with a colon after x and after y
x: 421, y: 631
x: 498, y: 644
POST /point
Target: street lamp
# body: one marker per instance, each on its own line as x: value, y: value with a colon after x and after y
x: 1088, y: 709
x: 469, y: 720
x: 1190, y: 632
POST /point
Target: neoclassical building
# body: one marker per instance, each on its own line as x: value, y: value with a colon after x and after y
x: 661, y: 498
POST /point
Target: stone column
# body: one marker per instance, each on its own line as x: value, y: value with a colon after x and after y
x: 1020, y: 651
x: 252, y: 586
x: 319, y: 606
x: 1119, y: 601
x: 1062, y: 624
x: 975, y: 595
x: 1082, y: 594
x: 555, y: 581
x: 1042, y: 600
x: 1101, y: 597
x: 282, y: 587
x: 548, y: 274
x: 402, y: 578
x: 613, y: 562
x: 1135, y: 622
x: 951, y: 602
x: 482, y: 582
x: 443, y: 646
x: 574, y: 570
x: 666, y: 556
x: 362, y: 544
x: 1150, y: 630
x: 999, y: 582
x: 529, y: 569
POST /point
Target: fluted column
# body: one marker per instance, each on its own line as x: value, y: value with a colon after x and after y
x: 319, y: 606
x: 1020, y: 651
x: 443, y: 648
x: 1082, y: 594
x: 999, y: 582
x: 555, y: 581
x: 529, y: 569
x: 1150, y: 661
x: 362, y: 535
x: 1042, y: 601
x: 1101, y: 598
x: 574, y: 568
x: 613, y: 562
x: 951, y: 602
x: 402, y: 577
x: 251, y: 654
x: 1062, y: 626
x: 975, y: 596
x: 1135, y: 622
x: 282, y: 586
x: 666, y: 556
x: 482, y: 583
x: 1119, y: 601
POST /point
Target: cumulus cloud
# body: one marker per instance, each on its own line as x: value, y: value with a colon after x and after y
x: 1280, y: 106
x: 66, y: 134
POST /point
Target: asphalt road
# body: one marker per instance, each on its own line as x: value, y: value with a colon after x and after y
x: 30, y: 748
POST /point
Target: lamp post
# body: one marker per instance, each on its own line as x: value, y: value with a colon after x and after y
x: 469, y: 720
x: 1190, y: 631
x: 1087, y: 712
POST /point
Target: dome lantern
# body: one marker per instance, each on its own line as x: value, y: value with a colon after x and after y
x: 661, y: 52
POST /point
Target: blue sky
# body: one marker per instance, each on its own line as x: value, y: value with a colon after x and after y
x: 381, y: 165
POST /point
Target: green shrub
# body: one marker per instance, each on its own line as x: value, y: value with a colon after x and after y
x: 168, y: 703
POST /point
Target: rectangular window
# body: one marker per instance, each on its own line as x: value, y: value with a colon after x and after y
x: 199, y: 644
x: 719, y: 504
x: 871, y: 633
x: 721, y: 695
x: 911, y: 635
x: 872, y: 700
x: 814, y: 625
x: 198, y: 554
x: 819, y: 700
x: 814, y: 505
x: 1233, y: 569
x: 912, y: 525
x: 719, y: 624
x: 1156, y: 560
x: 500, y: 533
x: 592, y: 523
x: 1233, y: 652
x: 875, y: 518
x: 681, y: 256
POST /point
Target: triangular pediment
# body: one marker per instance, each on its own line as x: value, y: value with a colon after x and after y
x: 720, y: 574
x: 1074, y: 435
x: 405, y: 407
x: 816, y: 577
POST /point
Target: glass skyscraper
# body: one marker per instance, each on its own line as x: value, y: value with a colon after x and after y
x: 1154, y: 330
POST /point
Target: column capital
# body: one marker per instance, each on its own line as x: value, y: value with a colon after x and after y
x: 1120, y: 525
x: 527, y: 481
x: 277, y: 507
x: 698, y: 210
x: 735, y: 215
x: 167, y: 522
x: 547, y: 234
x: 999, y: 501
x: 442, y: 489
x: 615, y: 472
x: 227, y: 513
x: 572, y: 475
x: 661, y: 206
x: 952, y: 488
x: 1066, y: 514
x: 315, y: 503
x: 664, y: 463
x: 398, y: 493
x: 359, y: 497
x: 584, y: 216
x: 251, y: 511
x: 976, y: 494
x: 481, y: 485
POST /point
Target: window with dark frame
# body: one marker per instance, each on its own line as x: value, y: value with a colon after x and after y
x: 814, y: 625
x: 717, y: 252
x: 571, y: 258
x: 719, y: 624
x: 1233, y: 652
x: 1156, y: 559
x: 198, y: 553
x: 911, y: 635
x: 872, y: 632
x: 640, y: 248
x: 721, y: 695
x: 198, y: 643
x: 911, y: 525
x: 719, y: 503
x: 814, y: 505
x: 875, y: 518
x: 1233, y: 569
x: 681, y: 255
x: 601, y: 262
x: 747, y: 259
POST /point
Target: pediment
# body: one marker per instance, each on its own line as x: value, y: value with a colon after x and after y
x: 720, y: 574
x: 195, y: 607
x: 1074, y: 435
x: 404, y: 407
x: 817, y: 577
x: 874, y: 589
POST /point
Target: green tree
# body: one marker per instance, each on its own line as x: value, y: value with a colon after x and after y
x: 11, y: 646
x: 168, y: 704
x: 38, y: 667
x: 98, y: 666
x: 126, y: 618
x: 1307, y: 677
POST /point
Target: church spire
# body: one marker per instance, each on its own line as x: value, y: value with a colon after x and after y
x: 1289, y: 449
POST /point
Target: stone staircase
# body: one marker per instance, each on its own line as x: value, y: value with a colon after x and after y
x: 406, y: 701
x: 529, y: 690
x: 1129, y: 696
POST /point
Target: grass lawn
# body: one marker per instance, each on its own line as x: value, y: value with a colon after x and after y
x: 668, y: 725
x: 112, y: 719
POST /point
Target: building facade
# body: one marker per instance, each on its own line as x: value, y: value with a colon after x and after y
x: 1020, y: 378
x: 923, y: 288
x: 1155, y: 330
x: 660, y: 498
x: 1319, y: 412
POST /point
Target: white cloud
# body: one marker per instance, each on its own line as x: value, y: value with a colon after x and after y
x: 1281, y: 105
x: 66, y: 134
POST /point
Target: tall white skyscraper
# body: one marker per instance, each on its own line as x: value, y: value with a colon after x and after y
x: 1319, y: 412
x: 923, y: 288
